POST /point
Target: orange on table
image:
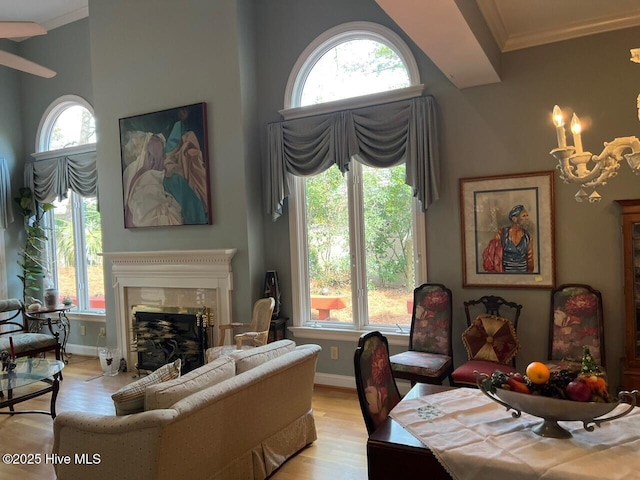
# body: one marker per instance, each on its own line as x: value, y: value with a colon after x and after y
x: 538, y: 372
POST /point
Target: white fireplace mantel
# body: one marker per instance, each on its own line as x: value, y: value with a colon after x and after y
x: 186, y: 269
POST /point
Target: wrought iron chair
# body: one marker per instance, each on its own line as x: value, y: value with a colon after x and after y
x: 430, y: 355
x: 576, y: 320
x: 490, y: 338
x: 25, y: 343
x: 377, y: 390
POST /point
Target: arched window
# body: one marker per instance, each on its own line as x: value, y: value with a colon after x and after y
x: 357, y: 242
x: 65, y: 147
x: 68, y: 122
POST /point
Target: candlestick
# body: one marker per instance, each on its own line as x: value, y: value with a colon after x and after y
x: 559, y: 123
x: 13, y: 352
x: 576, y: 128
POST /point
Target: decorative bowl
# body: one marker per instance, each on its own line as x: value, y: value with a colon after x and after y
x: 553, y: 410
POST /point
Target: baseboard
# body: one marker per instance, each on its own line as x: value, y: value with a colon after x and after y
x: 85, y: 350
x: 345, y: 381
x: 333, y: 380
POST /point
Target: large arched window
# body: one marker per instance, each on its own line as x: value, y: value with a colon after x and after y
x: 357, y: 244
x: 65, y: 149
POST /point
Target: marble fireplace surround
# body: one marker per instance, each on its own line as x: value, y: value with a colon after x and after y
x: 201, y: 276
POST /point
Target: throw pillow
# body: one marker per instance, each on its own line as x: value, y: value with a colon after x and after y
x: 491, y: 338
x: 165, y: 394
x: 130, y: 398
x: 252, y: 357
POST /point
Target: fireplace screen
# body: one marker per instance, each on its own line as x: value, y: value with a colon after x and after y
x: 164, y: 334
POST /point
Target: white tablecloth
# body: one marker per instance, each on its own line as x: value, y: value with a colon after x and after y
x: 474, y: 438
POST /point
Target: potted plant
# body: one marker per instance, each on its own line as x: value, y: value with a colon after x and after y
x: 32, y: 255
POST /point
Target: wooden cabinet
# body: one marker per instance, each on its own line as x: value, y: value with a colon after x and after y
x: 631, y: 242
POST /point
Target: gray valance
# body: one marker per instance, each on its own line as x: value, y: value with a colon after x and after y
x: 50, y: 179
x: 382, y: 135
x: 6, y: 210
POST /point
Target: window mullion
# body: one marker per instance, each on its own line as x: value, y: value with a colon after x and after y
x: 419, y: 242
x: 79, y: 249
x: 299, y: 253
x: 357, y: 245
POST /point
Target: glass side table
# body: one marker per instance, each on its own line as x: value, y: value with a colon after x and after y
x: 56, y: 317
x: 29, y: 371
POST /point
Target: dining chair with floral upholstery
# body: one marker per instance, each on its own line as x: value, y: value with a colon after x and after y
x: 576, y: 321
x: 430, y: 355
x: 377, y: 390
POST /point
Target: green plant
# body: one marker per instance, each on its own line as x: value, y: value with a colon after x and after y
x: 32, y: 259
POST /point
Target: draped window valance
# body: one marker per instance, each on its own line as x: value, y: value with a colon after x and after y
x: 51, y: 175
x: 380, y: 136
x: 6, y: 212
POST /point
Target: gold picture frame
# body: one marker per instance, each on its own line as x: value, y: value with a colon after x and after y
x: 508, y: 231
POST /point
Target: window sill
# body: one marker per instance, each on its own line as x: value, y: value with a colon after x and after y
x: 87, y: 317
x: 328, y: 333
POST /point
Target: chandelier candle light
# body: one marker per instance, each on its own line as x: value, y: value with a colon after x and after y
x: 573, y: 161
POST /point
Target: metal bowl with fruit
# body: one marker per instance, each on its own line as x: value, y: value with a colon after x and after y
x: 558, y: 396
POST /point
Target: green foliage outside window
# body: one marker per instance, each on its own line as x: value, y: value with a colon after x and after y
x: 387, y: 219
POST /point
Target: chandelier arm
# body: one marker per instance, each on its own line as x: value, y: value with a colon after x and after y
x: 615, y: 148
x: 567, y: 170
x: 573, y: 166
x: 605, y: 173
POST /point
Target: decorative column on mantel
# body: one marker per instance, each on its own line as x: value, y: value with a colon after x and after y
x: 171, y: 269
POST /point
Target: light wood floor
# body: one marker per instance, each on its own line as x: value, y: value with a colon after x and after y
x: 338, y: 454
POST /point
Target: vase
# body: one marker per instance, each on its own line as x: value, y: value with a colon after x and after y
x: 272, y: 289
x: 51, y: 298
x: 109, y: 361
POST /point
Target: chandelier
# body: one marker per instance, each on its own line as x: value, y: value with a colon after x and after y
x: 586, y: 169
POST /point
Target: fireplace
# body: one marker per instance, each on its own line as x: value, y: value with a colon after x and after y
x: 164, y: 335
x: 165, y: 280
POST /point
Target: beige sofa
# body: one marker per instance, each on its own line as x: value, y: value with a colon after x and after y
x: 244, y: 427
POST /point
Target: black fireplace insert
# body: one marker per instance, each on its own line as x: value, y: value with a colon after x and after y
x: 164, y: 334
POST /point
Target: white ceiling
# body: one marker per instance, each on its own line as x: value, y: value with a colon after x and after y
x: 49, y: 13
x: 436, y: 26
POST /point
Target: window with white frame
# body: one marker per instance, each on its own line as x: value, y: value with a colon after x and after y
x: 358, y: 240
x: 74, y: 237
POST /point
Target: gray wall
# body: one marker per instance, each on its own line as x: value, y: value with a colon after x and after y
x: 496, y: 129
x: 11, y: 150
x: 178, y: 56
x: 236, y: 55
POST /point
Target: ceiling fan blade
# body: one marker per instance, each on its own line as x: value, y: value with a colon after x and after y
x: 20, y: 29
x: 13, y: 61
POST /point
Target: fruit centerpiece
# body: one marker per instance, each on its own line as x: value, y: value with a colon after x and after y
x: 565, y: 395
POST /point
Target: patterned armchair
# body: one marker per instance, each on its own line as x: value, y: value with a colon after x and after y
x: 576, y: 320
x: 430, y: 355
x: 377, y: 390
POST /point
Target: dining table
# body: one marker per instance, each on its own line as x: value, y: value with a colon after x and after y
x: 393, y: 452
x: 440, y: 432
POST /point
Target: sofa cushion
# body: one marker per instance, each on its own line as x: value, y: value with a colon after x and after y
x: 252, y: 357
x: 165, y: 394
x: 130, y: 398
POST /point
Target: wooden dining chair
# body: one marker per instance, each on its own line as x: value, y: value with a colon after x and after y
x: 576, y: 320
x: 490, y: 339
x: 377, y: 390
x: 430, y: 355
